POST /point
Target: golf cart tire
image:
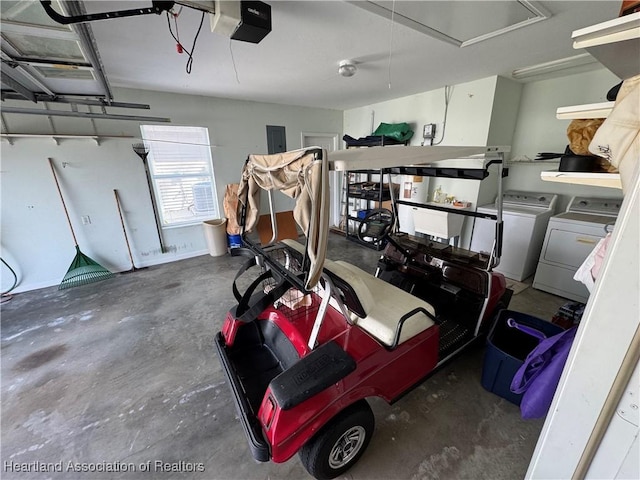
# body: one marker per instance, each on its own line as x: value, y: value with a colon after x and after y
x: 315, y: 455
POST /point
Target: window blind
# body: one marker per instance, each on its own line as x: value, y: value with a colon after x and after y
x: 182, y: 172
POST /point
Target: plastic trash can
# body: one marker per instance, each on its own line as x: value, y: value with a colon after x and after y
x: 507, y: 348
x: 215, y: 232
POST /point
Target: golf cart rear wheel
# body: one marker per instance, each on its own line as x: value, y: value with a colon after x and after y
x: 340, y: 444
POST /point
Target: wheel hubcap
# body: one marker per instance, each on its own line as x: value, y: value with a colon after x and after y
x: 347, y: 447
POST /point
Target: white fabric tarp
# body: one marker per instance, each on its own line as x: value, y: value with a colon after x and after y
x: 299, y: 174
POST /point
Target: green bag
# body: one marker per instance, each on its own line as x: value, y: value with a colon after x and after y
x: 398, y: 131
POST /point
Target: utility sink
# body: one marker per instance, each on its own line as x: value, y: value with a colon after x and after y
x: 438, y: 223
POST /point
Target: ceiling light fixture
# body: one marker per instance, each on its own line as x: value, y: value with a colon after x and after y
x: 554, y: 66
x: 346, y: 68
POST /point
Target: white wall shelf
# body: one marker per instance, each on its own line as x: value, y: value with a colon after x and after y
x: 590, y: 110
x: 609, y: 180
x: 10, y: 137
x: 615, y: 44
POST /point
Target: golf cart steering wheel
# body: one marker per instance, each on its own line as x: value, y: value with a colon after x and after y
x: 375, y: 226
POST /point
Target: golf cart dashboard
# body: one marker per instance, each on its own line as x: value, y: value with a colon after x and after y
x: 448, y: 267
x: 436, y: 253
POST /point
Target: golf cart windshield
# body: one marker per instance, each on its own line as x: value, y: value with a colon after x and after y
x: 299, y: 174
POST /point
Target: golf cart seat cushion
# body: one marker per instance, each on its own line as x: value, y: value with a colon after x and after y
x: 378, y: 306
x: 384, y: 304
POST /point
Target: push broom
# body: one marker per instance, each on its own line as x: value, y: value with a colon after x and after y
x: 83, y: 269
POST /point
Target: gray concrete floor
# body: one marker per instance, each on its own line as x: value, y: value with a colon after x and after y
x: 124, y: 371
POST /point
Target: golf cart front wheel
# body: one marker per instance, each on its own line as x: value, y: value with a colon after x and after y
x: 340, y: 444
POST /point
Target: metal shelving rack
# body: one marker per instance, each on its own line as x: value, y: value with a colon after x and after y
x: 380, y: 196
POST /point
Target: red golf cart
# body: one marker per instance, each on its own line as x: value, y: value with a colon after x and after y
x: 311, y: 339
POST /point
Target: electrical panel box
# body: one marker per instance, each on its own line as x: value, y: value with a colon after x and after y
x: 429, y: 131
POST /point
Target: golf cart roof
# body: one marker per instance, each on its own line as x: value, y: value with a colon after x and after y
x: 376, y: 158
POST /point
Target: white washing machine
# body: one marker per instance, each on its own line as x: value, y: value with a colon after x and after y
x: 570, y: 238
x: 525, y: 216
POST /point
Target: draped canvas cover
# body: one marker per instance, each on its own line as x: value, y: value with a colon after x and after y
x: 299, y: 174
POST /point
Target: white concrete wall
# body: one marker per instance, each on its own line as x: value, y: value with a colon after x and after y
x: 468, y: 117
x: 504, y: 115
x: 35, y: 234
x: 538, y: 130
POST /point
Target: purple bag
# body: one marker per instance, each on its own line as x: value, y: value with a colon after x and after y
x: 539, y: 375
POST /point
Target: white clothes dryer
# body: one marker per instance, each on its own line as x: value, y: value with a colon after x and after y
x: 570, y: 238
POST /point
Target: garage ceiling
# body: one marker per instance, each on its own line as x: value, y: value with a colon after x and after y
x: 428, y: 45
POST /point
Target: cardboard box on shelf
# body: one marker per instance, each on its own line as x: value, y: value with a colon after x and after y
x: 386, y: 205
x: 629, y: 6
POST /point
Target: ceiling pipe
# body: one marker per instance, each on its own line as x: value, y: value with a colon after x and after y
x: 62, y: 113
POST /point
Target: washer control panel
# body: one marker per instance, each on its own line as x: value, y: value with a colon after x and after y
x: 531, y: 199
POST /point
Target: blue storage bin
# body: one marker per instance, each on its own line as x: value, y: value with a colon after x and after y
x: 507, y: 348
x: 235, y: 241
x: 362, y: 214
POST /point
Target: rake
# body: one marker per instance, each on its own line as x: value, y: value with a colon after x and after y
x: 83, y: 269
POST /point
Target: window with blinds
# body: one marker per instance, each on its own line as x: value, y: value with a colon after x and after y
x: 182, y: 172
